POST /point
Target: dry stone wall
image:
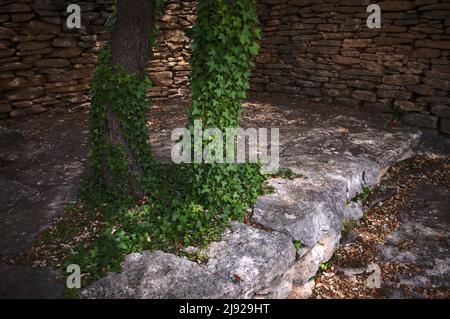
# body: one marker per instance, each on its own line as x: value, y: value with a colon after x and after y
x: 324, y: 50
x: 170, y: 69
x: 44, y: 65
x: 321, y: 49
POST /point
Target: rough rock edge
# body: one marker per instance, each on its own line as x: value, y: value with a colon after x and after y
x: 238, y: 267
x: 235, y: 268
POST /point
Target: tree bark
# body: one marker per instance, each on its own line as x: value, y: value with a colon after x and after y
x: 130, y: 49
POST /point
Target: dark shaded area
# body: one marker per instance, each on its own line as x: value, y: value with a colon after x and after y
x: 43, y: 158
x: 40, y: 171
x: 425, y: 230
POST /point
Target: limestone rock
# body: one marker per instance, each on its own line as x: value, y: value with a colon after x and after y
x: 309, y: 208
x: 441, y: 110
x: 238, y: 267
x: 401, y: 79
x: 5, y: 107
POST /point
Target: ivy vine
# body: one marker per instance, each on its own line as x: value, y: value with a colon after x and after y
x: 184, y: 204
x: 225, y: 41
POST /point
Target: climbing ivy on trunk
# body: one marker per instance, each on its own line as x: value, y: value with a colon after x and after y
x: 179, y: 205
x: 120, y: 155
x: 225, y: 40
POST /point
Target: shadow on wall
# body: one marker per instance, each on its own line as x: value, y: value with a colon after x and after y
x: 324, y: 50
x: 43, y: 64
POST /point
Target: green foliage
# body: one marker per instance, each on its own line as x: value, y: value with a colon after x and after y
x: 325, y: 265
x: 397, y: 112
x: 185, y: 205
x: 225, y: 40
x: 363, y: 196
x: 328, y: 264
x: 297, y: 244
x: 286, y: 173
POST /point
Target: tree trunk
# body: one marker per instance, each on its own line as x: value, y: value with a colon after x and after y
x: 130, y: 49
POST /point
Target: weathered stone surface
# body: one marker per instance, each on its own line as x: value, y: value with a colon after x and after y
x: 356, y: 43
x: 13, y: 66
x: 21, y: 82
x: 25, y: 94
x: 9, y: 84
x: 409, y: 106
x: 426, y: 53
x: 6, y: 52
x: 308, y: 264
x: 396, y: 65
x: 445, y: 126
x: 397, y: 6
x: 331, y: 169
x: 65, y: 53
x: 237, y: 255
x: 364, y: 95
x: 64, y: 42
x: 160, y: 275
x: 302, y: 291
x: 162, y: 78
x: 34, y: 37
x: 68, y: 88
x: 433, y: 44
x: 441, y: 110
x: 6, y: 33
x: 422, y: 89
x: 19, y: 17
x: 309, y: 208
x: 32, y: 45
x: 422, y: 120
x: 22, y: 104
x: 176, y: 36
x: 394, y: 94
x: 52, y: 63
x: 327, y: 57
x: 15, y: 7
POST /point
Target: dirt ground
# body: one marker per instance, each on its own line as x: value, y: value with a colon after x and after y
x: 41, y: 169
x: 406, y: 236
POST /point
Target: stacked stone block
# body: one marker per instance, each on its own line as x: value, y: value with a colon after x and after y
x: 170, y: 69
x: 324, y: 50
x: 45, y: 65
x: 320, y: 49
